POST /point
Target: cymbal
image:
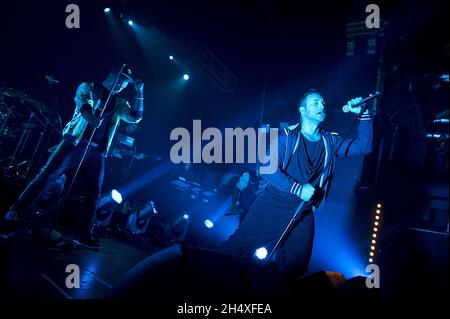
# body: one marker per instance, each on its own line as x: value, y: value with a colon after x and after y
x: 13, y: 93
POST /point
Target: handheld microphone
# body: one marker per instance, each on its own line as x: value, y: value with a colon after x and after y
x: 51, y: 79
x: 346, y: 108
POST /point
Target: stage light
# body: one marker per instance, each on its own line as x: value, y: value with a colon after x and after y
x: 375, y: 230
x: 170, y: 57
x: 130, y: 22
x: 209, y: 223
x: 116, y: 196
x: 186, y: 77
x: 261, y: 253
x: 107, y: 10
x: 185, y: 216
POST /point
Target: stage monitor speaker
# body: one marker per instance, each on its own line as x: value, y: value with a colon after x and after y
x: 321, y: 282
x: 179, y: 272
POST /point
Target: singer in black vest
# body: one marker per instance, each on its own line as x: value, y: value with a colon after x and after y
x: 90, y: 98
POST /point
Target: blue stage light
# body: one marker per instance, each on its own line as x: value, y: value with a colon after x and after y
x: 116, y: 196
x: 130, y: 22
x: 186, y: 77
x: 107, y: 10
x: 185, y: 216
x: 261, y: 253
x: 170, y: 57
x: 209, y: 223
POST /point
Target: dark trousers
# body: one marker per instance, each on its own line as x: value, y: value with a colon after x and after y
x: 65, y: 160
x: 263, y: 226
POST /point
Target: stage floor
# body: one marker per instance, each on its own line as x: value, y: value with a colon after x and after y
x: 31, y: 271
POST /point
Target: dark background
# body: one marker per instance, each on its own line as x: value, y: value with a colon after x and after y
x: 276, y: 50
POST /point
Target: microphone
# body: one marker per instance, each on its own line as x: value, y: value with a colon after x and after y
x: 51, y: 79
x: 346, y: 108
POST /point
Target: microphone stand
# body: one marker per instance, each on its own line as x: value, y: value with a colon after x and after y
x: 84, y: 154
x: 30, y: 163
x: 299, y: 208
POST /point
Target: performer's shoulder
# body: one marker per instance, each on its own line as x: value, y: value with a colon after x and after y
x: 290, y: 129
x: 86, y: 85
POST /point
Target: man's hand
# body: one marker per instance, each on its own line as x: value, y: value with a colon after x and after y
x: 353, y: 102
x: 307, y: 192
x: 139, y: 87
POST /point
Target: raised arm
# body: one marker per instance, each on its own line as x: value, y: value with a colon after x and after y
x: 280, y: 179
x: 360, y: 145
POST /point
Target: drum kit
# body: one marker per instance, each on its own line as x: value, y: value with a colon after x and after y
x: 24, y: 124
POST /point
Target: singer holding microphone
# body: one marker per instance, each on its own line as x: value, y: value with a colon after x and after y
x: 306, y: 156
x: 86, y: 130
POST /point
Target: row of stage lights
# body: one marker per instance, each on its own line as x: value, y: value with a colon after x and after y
x: 130, y: 23
x: 376, y: 226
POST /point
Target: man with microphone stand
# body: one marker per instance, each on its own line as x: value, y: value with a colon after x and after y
x: 281, y: 218
x: 86, y: 142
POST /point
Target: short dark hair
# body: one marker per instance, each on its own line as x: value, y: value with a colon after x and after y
x: 125, y: 71
x: 302, y: 99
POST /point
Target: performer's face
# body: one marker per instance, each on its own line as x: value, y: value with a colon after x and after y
x: 121, y: 84
x: 313, y: 108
